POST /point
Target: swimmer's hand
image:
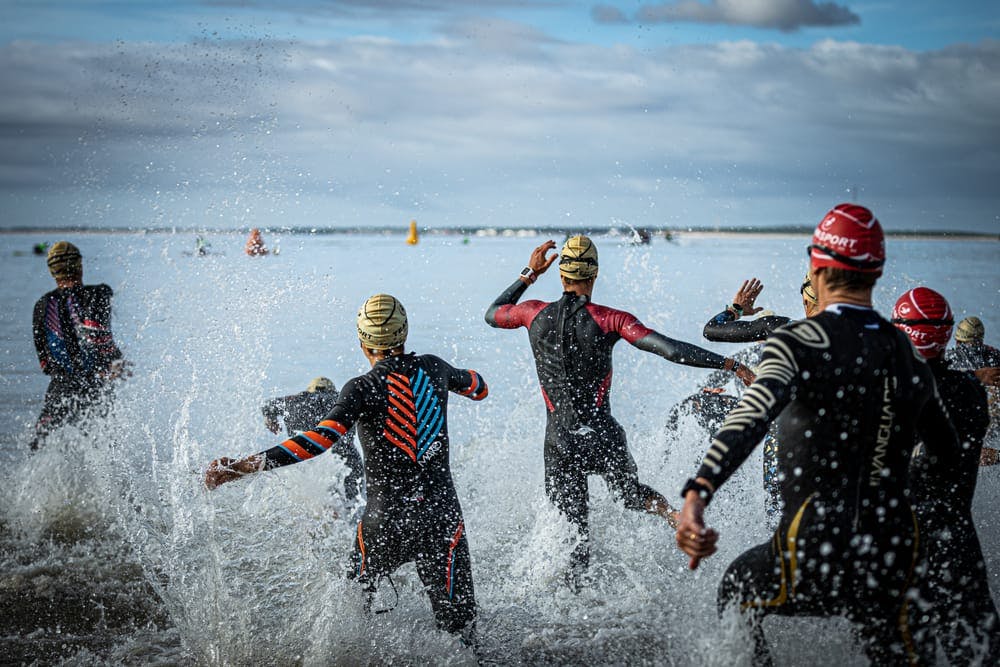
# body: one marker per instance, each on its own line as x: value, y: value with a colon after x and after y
x: 746, y: 295
x: 226, y: 469
x: 272, y: 425
x: 538, y: 262
x: 989, y: 376
x: 745, y: 375
x: 712, y: 390
x: 989, y: 456
x: 693, y: 538
x: 119, y: 369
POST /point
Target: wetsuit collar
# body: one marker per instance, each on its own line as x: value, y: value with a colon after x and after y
x: 865, y: 313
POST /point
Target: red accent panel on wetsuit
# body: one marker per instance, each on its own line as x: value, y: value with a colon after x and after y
x: 602, y: 391
x: 518, y: 315
x: 624, y: 324
x: 548, y: 403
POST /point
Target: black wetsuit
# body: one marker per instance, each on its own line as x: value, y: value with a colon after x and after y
x: 961, y: 613
x: 972, y: 357
x: 304, y: 410
x: 412, y: 512
x: 572, y: 341
x: 725, y: 328
x: 72, y: 334
x: 852, y: 393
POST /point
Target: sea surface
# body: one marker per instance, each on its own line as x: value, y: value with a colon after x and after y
x: 113, y: 552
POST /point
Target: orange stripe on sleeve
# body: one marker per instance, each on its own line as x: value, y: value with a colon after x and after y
x: 296, y: 449
x: 336, y: 426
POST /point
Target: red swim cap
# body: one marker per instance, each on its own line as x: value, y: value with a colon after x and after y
x: 849, y: 237
x: 925, y: 316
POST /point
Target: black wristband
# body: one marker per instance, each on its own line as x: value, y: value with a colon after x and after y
x: 737, y: 308
x: 702, y: 489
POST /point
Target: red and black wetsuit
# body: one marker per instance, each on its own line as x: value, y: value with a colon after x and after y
x: 304, y: 410
x: 72, y: 334
x: 412, y: 512
x: 852, y: 394
x: 958, y: 608
x: 572, y: 340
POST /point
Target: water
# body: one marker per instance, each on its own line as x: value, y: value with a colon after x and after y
x: 112, y: 552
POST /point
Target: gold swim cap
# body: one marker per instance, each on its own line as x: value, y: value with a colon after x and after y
x: 320, y: 384
x: 64, y: 260
x: 382, y: 323
x: 808, y: 290
x: 970, y: 329
x: 578, y: 259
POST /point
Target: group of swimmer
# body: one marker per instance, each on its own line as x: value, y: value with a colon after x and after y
x: 874, y: 455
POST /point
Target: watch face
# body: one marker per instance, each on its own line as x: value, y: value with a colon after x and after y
x: 527, y: 271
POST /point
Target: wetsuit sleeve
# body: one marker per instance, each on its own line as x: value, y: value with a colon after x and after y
x: 326, y: 434
x: 38, y: 331
x: 725, y: 328
x: 503, y: 313
x: 762, y: 402
x: 468, y: 383
x: 678, y: 351
x: 97, y: 324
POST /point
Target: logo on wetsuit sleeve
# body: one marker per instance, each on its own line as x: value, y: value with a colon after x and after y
x: 414, y: 417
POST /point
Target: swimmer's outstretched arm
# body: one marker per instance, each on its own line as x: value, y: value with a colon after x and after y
x: 687, y: 354
x: 726, y: 327
x: 300, y: 447
x: 507, y: 318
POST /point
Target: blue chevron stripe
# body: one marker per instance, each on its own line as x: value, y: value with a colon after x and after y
x: 289, y: 452
x: 430, y: 431
x: 422, y: 394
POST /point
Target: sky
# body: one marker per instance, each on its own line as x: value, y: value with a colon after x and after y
x: 223, y: 114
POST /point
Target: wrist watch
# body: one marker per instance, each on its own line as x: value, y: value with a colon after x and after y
x: 529, y: 274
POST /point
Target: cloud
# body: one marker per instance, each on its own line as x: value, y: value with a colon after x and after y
x: 457, y: 130
x: 785, y: 15
x: 608, y: 14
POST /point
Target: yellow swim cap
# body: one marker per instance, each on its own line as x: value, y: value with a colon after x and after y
x: 578, y: 259
x: 382, y: 323
x: 320, y: 384
x: 64, y: 260
x: 970, y: 329
x: 808, y: 290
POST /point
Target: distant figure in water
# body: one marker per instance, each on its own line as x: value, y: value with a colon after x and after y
x: 40, y: 248
x: 72, y: 334
x: 304, y: 410
x: 255, y: 244
x: 971, y: 353
x: 201, y: 246
x: 412, y: 512
x: 852, y: 395
x: 956, y: 608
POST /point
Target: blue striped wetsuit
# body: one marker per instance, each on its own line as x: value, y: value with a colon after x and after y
x: 412, y: 512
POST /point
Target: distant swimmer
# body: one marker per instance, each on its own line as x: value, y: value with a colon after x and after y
x: 852, y: 395
x: 201, y: 246
x: 255, y: 244
x: 412, y: 513
x: 40, y: 248
x: 729, y: 327
x: 971, y: 353
x: 72, y: 334
x: 302, y: 411
x: 572, y: 340
x: 956, y: 608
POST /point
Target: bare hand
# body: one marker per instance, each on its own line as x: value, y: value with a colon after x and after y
x: 989, y: 456
x: 712, y: 390
x: 745, y: 375
x: 989, y: 376
x: 272, y: 425
x: 226, y: 469
x: 693, y: 538
x: 746, y: 296
x: 539, y: 263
